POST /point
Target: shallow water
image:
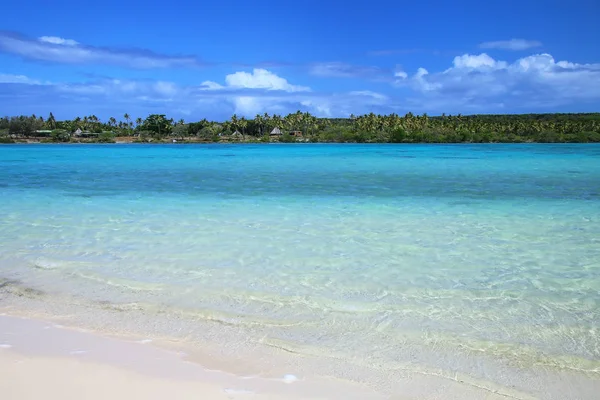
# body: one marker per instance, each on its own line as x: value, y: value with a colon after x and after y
x: 362, y: 251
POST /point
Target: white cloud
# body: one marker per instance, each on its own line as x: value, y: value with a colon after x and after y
x: 261, y: 79
x: 477, y: 62
x: 512, y: 44
x: 246, y: 94
x: 209, y: 85
x: 68, y: 51
x: 534, y: 80
x: 257, y: 79
x: 9, y: 78
x: 252, y: 92
x: 115, y: 88
x: 246, y: 90
x: 401, y: 74
x: 58, y: 40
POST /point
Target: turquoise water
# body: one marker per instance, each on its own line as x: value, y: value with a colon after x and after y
x: 362, y: 251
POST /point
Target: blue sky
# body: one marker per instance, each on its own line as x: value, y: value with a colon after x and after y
x: 210, y: 59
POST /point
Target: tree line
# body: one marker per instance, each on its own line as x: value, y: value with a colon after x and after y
x: 368, y: 128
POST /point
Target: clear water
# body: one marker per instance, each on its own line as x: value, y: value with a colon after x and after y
x: 353, y: 250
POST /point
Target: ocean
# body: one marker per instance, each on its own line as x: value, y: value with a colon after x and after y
x: 481, y: 260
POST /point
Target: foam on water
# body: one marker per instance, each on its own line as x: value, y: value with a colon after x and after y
x: 360, y: 251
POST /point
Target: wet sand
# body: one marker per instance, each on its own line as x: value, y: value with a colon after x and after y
x: 39, y: 359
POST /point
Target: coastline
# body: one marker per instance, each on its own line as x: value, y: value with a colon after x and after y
x: 323, y: 377
x: 68, y: 363
x: 73, y: 363
x: 260, y: 142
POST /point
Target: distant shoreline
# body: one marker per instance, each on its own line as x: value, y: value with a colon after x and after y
x: 194, y: 142
x: 307, y: 128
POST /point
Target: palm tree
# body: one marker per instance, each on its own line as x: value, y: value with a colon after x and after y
x: 234, y: 120
x: 288, y: 122
x: 243, y: 123
x: 277, y: 121
x: 259, y: 121
x: 51, y: 122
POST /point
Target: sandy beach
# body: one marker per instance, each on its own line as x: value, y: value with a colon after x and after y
x: 39, y: 359
x: 73, y: 379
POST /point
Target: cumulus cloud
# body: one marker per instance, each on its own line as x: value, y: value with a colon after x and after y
x: 246, y: 94
x: 512, y: 44
x: 261, y: 79
x: 209, y: 85
x: 68, y: 51
x: 480, y: 61
x: 251, y: 92
x: 534, y: 80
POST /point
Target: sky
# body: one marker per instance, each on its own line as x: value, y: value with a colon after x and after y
x: 211, y: 59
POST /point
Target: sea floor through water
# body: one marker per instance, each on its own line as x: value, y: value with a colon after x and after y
x: 478, y: 263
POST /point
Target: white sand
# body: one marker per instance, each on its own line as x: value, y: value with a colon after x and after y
x: 60, y: 378
x: 42, y: 360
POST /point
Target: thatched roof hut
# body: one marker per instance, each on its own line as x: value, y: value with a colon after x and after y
x: 276, y: 132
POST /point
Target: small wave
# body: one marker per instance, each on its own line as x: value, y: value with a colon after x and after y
x: 129, y: 284
x: 46, y: 263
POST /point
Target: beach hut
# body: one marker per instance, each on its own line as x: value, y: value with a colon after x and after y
x: 77, y: 132
x: 276, y: 132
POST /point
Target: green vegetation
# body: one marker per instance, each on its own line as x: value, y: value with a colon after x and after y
x: 304, y: 127
x: 106, y: 137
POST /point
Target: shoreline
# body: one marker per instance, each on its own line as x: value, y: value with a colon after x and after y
x: 69, y: 363
x: 259, y: 142
x: 271, y: 361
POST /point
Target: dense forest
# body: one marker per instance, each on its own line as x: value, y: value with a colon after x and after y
x: 304, y: 127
